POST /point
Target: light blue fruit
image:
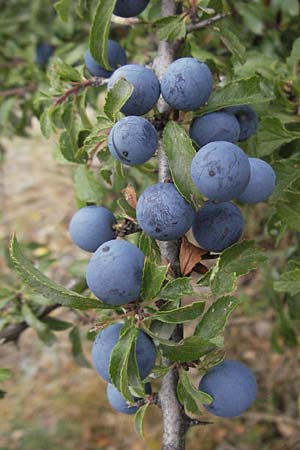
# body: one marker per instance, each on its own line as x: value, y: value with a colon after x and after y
x: 114, y: 273
x: 247, y: 118
x: 116, y: 57
x: 217, y: 126
x: 146, y: 88
x: 163, y: 213
x: 118, y: 402
x: 186, y: 84
x: 220, y: 171
x: 105, y: 342
x: 91, y: 226
x: 232, y: 386
x: 133, y: 140
x: 261, y: 184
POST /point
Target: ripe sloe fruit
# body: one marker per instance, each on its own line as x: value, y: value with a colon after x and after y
x: 91, y: 226
x: 43, y: 53
x: 116, y: 57
x: 216, y: 126
x: 186, y: 84
x: 232, y: 386
x: 217, y: 226
x: 119, y: 403
x: 146, y: 88
x: 130, y: 8
x: 220, y: 171
x: 133, y: 140
x: 261, y: 183
x: 247, y: 118
x: 105, y: 342
x: 163, y: 213
x: 114, y: 273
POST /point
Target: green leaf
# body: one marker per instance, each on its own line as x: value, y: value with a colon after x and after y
x: 127, y: 210
x: 43, y: 331
x: 120, y: 357
x: 189, y: 349
x: 233, y: 43
x: 294, y: 58
x: 272, y: 134
x: 56, y: 324
x: 240, y: 92
x: 62, y: 8
x: 5, y: 374
x: 289, y: 282
x: 46, y: 287
x: 153, y: 278
x: 189, y: 396
x: 45, y: 124
x: 235, y: 261
x: 86, y: 186
x: 176, y: 289
x: 139, y: 420
x: 149, y: 247
x: 77, y: 351
x: 116, y: 97
x: 100, y: 30
x: 215, y: 318
x: 170, y: 28
x: 287, y: 172
x: 181, y: 315
x: 64, y: 71
x: 180, y: 153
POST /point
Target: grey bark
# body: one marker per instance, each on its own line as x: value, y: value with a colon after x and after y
x: 174, y: 418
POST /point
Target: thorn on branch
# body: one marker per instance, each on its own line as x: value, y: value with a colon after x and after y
x: 205, y: 23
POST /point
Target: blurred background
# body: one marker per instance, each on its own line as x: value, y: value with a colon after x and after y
x: 52, y: 399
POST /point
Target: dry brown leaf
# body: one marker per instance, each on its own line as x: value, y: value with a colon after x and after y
x: 190, y: 256
x: 130, y: 195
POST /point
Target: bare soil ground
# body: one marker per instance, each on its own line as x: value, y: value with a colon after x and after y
x: 53, y: 404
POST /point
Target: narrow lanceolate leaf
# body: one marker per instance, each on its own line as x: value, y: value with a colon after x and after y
x: 189, y: 396
x: 272, y: 134
x: 42, y: 330
x: 180, y: 315
x: 215, y: 318
x: 180, y: 152
x: 46, y: 287
x: 139, y: 420
x: 62, y: 8
x: 153, y: 278
x: 234, y: 262
x: 116, y: 97
x: 77, y: 351
x: 100, y: 30
x: 119, y: 362
x: 170, y: 28
x: 289, y: 282
x: 233, y: 43
x: 189, y: 349
x: 149, y: 247
x: 240, y: 92
x: 176, y: 289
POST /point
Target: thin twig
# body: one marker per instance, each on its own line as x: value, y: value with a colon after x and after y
x: 205, y: 23
x: 73, y: 91
x: 19, y: 91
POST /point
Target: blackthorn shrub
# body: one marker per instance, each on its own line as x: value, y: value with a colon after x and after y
x: 116, y: 57
x: 247, y: 118
x: 261, y: 183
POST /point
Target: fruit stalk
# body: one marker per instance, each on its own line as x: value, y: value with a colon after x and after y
x: 174, y: 418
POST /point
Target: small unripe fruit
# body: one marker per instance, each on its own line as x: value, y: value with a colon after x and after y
x: 261, y: 184
x: 91, y: 226
x: 130, y: 8
x: 116, y: 57
x: 186, y: 84
x: 217, y: 126
x: 218, y: 226
x: 163, y: 213
x: 146, y: 88
x: 118, y: 402
x: 247, y: 118
x: 105, y: 342
x: 133, y: 140
x: 114, y: 273
x: 220, y: 171
x: 232, y: 386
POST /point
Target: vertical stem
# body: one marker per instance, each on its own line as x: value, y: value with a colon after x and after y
x: 174, y: 418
